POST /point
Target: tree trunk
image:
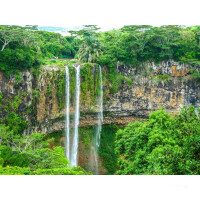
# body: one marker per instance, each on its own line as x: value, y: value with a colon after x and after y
x: 3, y: 47
x: 5, y: 44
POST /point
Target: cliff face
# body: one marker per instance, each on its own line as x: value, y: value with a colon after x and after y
x: 38, y: 98
x: 41, y: 95
x: 166, y: 85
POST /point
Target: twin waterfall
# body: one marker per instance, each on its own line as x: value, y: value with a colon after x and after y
x: 72, y: 140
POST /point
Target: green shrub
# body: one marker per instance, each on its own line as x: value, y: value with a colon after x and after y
x: 61, y: 171
x: 47, y: 158
x: 162, y: 145
x: 12, y: 159
x: 10, y: 170
x: 60, y: 86
x: 106, y: 149
x: 15, y: 122
x: 18, y: 159
x: 160, y: 78
x: 1, y: 162
x: 14, y: 171
x: 116, y: 80
x: 5, y: 153
x: 53, y: 61
x: 18, y: 78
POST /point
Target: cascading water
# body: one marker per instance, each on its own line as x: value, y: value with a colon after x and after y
x: 100, y: 113
x: 100, y: 119
x: 67, y: 128
x: 74, y: 154
x: 72, y: 147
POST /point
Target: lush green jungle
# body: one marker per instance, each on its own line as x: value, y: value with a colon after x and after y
x: 162, y: 144
x: 27, y: 47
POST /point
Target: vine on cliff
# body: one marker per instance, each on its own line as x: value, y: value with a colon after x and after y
x: 60, y: 85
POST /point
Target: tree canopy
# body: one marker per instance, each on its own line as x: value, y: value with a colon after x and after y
x: 25, y: 47
x: 162, y: 145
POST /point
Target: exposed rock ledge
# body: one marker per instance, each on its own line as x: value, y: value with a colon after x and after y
x: 149, y: 92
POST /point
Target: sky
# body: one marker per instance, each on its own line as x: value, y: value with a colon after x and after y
x: 105, y: 13
x: 79, y: 27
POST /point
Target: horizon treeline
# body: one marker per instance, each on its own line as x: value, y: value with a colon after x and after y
x: 26, y: 47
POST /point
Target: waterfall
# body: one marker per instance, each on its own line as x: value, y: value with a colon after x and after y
x: 67, y: 128
x: 72, y: 146
x: 100, y: 113
x: 74, y: 155
x: 100, y: 119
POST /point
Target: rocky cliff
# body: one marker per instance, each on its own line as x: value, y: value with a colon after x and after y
x: 38, y: 97
x: 34, y: 100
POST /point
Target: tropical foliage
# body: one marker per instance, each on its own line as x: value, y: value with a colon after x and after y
x: 25, y: 47
x: 164, y: 144
x: 30, y: 154
x: 133, y: 45
x: 56, y: 171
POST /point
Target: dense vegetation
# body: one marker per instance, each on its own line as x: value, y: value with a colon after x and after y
x: 106, y: 149
x: 23, y: 47
x: 133, y: 45
x: 30, y: 154
x: 164, y: 144
x: 28, y: 47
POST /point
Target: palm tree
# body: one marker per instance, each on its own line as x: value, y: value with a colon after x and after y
x: 90, y: 50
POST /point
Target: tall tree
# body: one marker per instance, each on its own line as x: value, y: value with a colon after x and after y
x: 90, y: 50
x: 10, y: 33
x: 91, y: 47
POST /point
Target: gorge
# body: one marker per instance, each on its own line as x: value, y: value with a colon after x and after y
x: 122, y: 101
x: 40, y: 99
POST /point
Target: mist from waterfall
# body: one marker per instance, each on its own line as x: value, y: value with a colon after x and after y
x: 67, y: 127
x: 100, y: 119
x: 100, y: 113
x: 74, y: 152
x: 73, y: 141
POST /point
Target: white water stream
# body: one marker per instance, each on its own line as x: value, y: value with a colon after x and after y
x: 100, y: 120
x: 74, y: 153
x: 67, y: 127
x: 100, y: 113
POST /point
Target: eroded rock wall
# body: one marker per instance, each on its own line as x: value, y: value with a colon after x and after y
x: 166, y: 85
x: 42, y: 95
